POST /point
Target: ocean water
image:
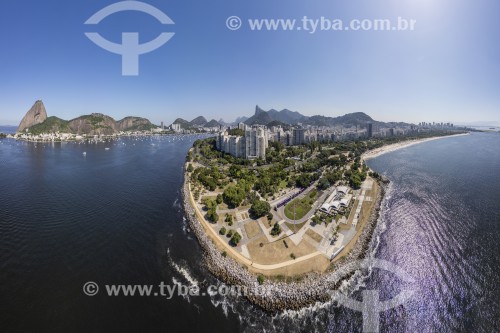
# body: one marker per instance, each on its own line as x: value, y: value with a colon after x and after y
x: 115, y: 217
x: 8, y: 129
x: 441, y: 224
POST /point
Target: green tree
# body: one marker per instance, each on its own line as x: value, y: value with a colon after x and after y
x: 237, y: 132
x: 302, y: 181
x: 212, y: 215
x: 222, y: 231
x: 355, y: 180
x: 190, y: 168
x: 269, y: 216
x: 235, y: 171
x: 233, y: 196
x: 276, y: 230
x: 235, y: 239
x: 209, y: 203
x: 277, y: 145
x: 219, y: 199
x: 260, y: 208
x: 323, y: 184
x: 260, y: 279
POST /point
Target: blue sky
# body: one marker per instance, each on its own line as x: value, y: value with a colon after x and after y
x: 448, y: 69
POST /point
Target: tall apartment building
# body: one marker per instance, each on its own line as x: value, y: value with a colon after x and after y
x: 252, y: 145
x: 298, y: 136
x: 176, y: 127
x: 256, y: 142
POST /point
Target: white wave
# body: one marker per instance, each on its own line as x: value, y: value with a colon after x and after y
x: 223, y: 302
x: 304, y: 312
x: 185, y: 274
x: 185, y: 296
x: 177, y: 204
x: 185, y: 226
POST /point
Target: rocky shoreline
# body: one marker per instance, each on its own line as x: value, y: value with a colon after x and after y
x: 279, y: 296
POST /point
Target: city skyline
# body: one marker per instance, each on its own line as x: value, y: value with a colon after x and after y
x: 446, y: 70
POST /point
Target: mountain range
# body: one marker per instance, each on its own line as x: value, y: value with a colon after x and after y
x: 36, y: 121
x: 287, y: 118
x: 198, y: 122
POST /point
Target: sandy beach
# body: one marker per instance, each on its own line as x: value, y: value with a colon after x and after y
x: 393, y: 147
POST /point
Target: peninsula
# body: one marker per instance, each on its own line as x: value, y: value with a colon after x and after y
x: 293, y: 214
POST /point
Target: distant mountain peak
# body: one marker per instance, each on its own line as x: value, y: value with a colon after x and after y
x: 212, y: 123
x: 258, y: 110
x: 37, y: 122
x: 36, y: 115
x: 199, y: 121
x: 263, y: 117
x: 241, y: 119
x: 180, y: 121
x: 285, y: 116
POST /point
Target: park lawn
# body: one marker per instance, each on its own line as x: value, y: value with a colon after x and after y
x: 209, y: 197
x: 302, y: 206
x: 276, y: 251
x: 252, y: 229
x: 223, y: 206
x: 317, y: 237
x: 295, y: 227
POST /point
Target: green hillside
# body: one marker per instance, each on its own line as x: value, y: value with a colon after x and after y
x: 51, y: 125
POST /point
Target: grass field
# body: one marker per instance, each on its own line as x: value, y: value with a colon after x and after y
x: 276, y: 252
x: 295, y: 227
x: 252, y: 229
x: 318, y: 238
x: 300, y: 206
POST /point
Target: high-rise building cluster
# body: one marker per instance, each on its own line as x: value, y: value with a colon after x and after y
x: 250, y: 146
x: 436, y: 125
x: 256, y: 138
